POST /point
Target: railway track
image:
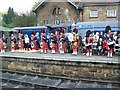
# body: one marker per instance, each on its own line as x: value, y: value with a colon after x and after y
x: 50, y: 82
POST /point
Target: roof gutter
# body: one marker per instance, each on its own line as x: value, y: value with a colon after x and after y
x: 35, y: 9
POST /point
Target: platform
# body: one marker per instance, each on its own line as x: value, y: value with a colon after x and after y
x: 64, y: 57
x: 79, y: 67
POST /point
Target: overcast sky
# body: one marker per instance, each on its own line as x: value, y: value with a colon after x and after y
x: 18, y: 5
x: 26, y: 5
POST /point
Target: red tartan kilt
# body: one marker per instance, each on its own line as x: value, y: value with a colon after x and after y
x: 35, y: 47
x: 63, y: 46
x: 1, y: 47
x: 44, y: 45
x: 54, y: 46
x: 105, y: 45
x: 22, y: 46
x: 74, y: 47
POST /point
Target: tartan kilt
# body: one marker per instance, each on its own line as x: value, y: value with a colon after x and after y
x: 44, y: 44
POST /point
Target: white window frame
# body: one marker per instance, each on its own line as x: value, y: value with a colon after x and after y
x: 94, y: 14
x: 56, y: 11
x: 57, y: 22
x: 112, y: 13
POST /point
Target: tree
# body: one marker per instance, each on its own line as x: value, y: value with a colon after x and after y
x: 12, y: 19
x: 8, y: 18
x: 0, y: 19
x: 10, y: 15
x: 27, y: 19
x: 36, y: 4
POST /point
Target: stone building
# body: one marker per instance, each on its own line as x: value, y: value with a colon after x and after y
x: 50, y: 12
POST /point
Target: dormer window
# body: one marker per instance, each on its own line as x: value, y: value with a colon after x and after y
x: 56, y: 11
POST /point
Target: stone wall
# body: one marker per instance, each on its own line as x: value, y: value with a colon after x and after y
x: 45, y: 13
x: 102, y: 13
x: 71, y: 69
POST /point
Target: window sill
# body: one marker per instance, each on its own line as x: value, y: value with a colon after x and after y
x: 93, y: 17
x: 55, y: 14
x: 111, y: 17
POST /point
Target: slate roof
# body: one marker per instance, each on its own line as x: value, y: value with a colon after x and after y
x: 43, y: 2
x: 80, y: 3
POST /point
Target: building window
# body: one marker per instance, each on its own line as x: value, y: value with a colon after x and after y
x: 56, y: 11
x: 71, y: 20
x: 111, y: 13
x: 57, y: 22
x: 93, y: 13
x: 45, y: 22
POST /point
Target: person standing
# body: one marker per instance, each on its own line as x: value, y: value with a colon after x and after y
x: 100, y: 46
x: 20, y: 41
x: 110, y: 42
x: 43, y: 43
x: 32, y: 40
x: 1, y: 46
x: 12, y: 42
x: 62, y: 47
x: 89, y: 41
x: 119, y: 42
x: 75, y: 42
x: 81, y: 44
x: 4, y: 41
x: 53, y: 40
x: 27, y: 41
